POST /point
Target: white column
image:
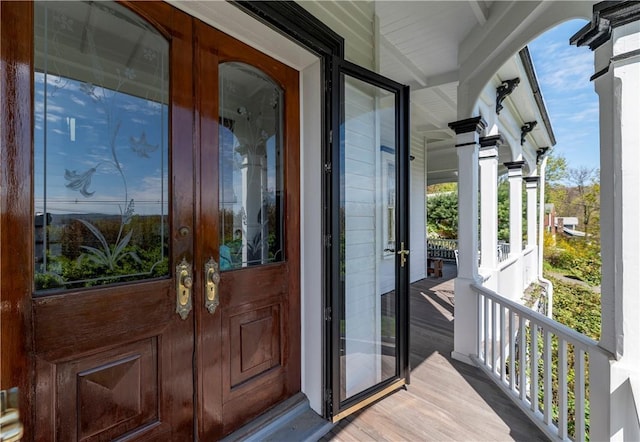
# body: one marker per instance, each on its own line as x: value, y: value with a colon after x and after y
x: 614, y: 34
x: 515, y: 206
x: 533, y: 261
x: 532, y: 212
x: 489, y: 201
x: 465, y: 337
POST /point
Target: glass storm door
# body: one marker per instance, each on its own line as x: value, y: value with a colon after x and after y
x: 369, y: 328
x: 153, y: 227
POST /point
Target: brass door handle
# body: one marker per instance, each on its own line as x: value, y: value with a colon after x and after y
x: 212, y: 279
x: 11, y: 428
x: 184, y: 282
x: 403, y: 254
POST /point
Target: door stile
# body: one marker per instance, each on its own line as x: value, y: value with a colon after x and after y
x: 292, y: 226
x: 208, y: 376
x: 16, y: 213
x: 182, y: 408
x: 403, y: 103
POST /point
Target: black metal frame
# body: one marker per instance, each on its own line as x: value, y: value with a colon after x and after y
x: 336, y: 295
x: 295, y: 22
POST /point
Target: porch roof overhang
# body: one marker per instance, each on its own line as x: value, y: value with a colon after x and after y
x: 419, y: 45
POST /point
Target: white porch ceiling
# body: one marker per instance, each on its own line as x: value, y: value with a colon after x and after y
x: 419, y: 44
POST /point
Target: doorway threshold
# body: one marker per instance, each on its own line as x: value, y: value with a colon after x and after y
x: 291, y: 420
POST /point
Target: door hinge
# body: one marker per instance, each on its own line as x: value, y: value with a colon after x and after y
x: 331, y: 136
x: 327, y: 167
x: 327, y: 314
x: 328, y: 397
x: 327, y: 240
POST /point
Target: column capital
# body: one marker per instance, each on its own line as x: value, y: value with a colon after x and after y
x: 514, y: 164
x: 475, y: 124
x: 532, y: 181
x: 606, y: 16
x: 492, y: 140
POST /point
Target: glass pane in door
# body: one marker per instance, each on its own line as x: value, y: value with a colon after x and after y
x: 368, y: 351
x: 101, y: 85
x: 251, y: 167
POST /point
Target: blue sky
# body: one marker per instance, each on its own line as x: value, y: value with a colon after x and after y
x: 563, y: 74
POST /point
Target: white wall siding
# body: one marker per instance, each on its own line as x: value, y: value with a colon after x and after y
x: 353, y: 20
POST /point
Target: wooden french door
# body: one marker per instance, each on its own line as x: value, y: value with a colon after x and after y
x: 247, y: 199
x: 150, y: 237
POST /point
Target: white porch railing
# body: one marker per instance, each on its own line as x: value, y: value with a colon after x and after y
x: 516, y: 347
x: 442, y: 248
x: 504, y: 249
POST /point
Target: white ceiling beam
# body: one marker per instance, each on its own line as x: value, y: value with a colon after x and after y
x: 445, y: 98
x: 479, y: 10
x: 404, y: 61
x: 435, y: 81
x: 444, y: 78
x: 430, y: 116
x: 428, y: 128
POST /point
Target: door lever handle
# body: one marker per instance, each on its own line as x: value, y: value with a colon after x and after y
x: 184, y: 283
x: 403, y: 254
x: 212, y: 279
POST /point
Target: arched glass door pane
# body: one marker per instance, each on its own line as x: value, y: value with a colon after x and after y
x: 101, y: 86
x: 251, y: 167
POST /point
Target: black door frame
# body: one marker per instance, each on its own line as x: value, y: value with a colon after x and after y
x: 337, y: 409
x: 295, y: 22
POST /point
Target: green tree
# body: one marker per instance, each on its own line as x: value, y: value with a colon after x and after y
x: 503, y: 209
x: 442, y: 214
x: 586, y: 198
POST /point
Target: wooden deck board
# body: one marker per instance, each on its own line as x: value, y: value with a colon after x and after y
x: 446, y: 400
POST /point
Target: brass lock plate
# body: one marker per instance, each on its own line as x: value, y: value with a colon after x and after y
x: 184, y: 284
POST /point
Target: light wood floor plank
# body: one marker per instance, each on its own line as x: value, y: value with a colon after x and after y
x: 446, y: 400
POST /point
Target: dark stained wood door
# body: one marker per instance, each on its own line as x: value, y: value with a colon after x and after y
x: 112, y: 356
x: 101, y: 346
x: 249, y: 347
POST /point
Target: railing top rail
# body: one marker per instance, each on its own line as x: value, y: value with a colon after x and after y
x: 557, y: 328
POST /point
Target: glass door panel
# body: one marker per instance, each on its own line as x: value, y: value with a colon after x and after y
x: 251, y: 167
x: 101, y: 91
x: 368, y: 332
x: 369, y: 329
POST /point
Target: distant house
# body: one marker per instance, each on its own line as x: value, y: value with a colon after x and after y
x: 553, y: 224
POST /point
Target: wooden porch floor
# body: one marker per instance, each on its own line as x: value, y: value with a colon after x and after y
x: 446, y: 400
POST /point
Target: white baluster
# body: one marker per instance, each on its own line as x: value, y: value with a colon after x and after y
x: 548, y: 381
x: 562, y: 388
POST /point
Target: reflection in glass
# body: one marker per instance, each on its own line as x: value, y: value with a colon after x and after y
x: 100, y: 146
x: 368, y: 352
x: 251, y: 168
